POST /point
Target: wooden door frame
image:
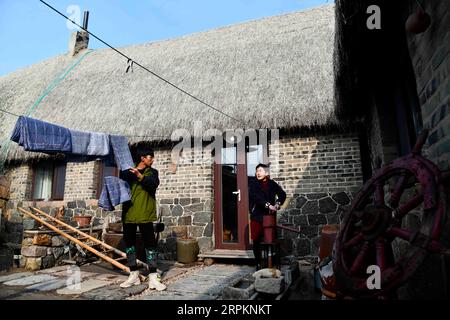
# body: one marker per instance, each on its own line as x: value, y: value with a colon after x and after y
x: 242, y: 183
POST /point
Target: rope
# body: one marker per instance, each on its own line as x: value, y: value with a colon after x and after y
x: 60, y: 77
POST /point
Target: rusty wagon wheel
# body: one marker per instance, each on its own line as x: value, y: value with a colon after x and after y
x: 377, y: 219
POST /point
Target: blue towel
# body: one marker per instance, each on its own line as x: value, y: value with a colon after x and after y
x: 80, y: 141
x: 98, y: 144
x: 37, y: 135
x: 122, y: 152
x: 115, y: 191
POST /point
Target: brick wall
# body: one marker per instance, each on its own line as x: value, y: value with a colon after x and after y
x: 430, y: 54
x: 21, y: 179
x: 320, y: 175
x: 81, y: 181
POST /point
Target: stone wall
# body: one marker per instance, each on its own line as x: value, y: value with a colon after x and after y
x: 320, y: 175
x: 185, y: 198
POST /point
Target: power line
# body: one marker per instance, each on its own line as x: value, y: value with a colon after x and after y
x: 143, y: 67
x: 10, y: 113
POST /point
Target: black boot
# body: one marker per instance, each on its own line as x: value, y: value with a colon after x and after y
x: 131, y: 258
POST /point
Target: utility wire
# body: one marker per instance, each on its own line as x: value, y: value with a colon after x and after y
x: 140, y: 65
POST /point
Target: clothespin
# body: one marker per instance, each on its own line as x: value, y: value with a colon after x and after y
x: 130, y: 65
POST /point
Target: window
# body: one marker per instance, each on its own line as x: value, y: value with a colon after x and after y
x: 105, y: 168
x: 48, y: 181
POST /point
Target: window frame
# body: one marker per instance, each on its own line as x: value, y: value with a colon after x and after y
x: 101, y: 164
x: 55, y: 167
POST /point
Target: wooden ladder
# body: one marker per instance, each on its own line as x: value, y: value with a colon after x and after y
x: 84, y: 236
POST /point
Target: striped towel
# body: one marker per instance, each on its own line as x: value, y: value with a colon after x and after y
x: 41, y: 136
x: 115, y: 191
x: 122, y: 152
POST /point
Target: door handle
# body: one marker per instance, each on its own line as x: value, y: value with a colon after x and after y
x: 238, y: 193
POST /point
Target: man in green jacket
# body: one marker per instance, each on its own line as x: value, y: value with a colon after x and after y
x: 141, y: 211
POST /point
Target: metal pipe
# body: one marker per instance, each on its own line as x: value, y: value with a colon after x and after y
x: 86, y: 20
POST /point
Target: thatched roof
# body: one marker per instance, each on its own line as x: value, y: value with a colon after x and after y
x: 272, y: 72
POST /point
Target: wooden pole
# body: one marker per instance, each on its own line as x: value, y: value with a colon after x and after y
x: 87, y: 236
x: 80, y: 243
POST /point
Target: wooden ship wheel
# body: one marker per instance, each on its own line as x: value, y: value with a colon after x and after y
x: 411, y: 185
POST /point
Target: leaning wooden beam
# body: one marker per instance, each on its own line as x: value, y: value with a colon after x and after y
x: 80, y: 243
x: 87, y: 236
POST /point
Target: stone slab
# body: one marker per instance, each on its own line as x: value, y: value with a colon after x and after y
x: 15, y: 276
x: 30, y: 280
x: 269, y: 285
x: 165, y: 295
x: 49, y: 286
x: 84, y: 286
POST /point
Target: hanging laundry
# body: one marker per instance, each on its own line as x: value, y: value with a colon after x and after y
x: 88, y: 143
x: 98, y: 144
x: 122, y: 152
x: 41, y: 136
x: 80, y: 141
x: 115, y: 191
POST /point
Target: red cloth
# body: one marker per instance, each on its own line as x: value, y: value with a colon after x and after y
x: 256, y: 229
x: 265, y: 185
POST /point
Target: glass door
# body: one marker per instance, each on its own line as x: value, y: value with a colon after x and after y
x: 233, y: 171
x: 231, y: 200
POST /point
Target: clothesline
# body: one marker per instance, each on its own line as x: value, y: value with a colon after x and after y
x: 40, y: 136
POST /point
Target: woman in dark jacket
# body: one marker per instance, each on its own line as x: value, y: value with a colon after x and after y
x: 265, y: 195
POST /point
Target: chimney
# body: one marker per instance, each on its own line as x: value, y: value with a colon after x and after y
x: 80, y: 39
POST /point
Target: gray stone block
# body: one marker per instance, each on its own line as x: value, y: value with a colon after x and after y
x: 71, y: 204
x: 177, y: 210
x: 34, y: 251
x: 311, y: 207
x: 30, y: 224
x: 205, y: 244
x: 317, y: 219
x: 327, y: 205
x: 194, y: 207
x: 270, y: 285
x: 341, y: 198
x: 185, y: 221
x: 202, y: 217
x: 242, y: 289
x: 300, y: 202
x: 315, y: 196
x: 48, y: 261
x: 208, y: 230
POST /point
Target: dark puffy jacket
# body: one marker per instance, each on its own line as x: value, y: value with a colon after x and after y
x: 258, y: 198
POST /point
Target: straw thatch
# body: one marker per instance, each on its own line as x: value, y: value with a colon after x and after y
x: 272, y: 72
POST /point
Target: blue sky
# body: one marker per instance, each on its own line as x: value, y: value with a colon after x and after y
x: 31, y: 32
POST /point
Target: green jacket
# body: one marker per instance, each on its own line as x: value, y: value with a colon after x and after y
x: 142, y: 207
